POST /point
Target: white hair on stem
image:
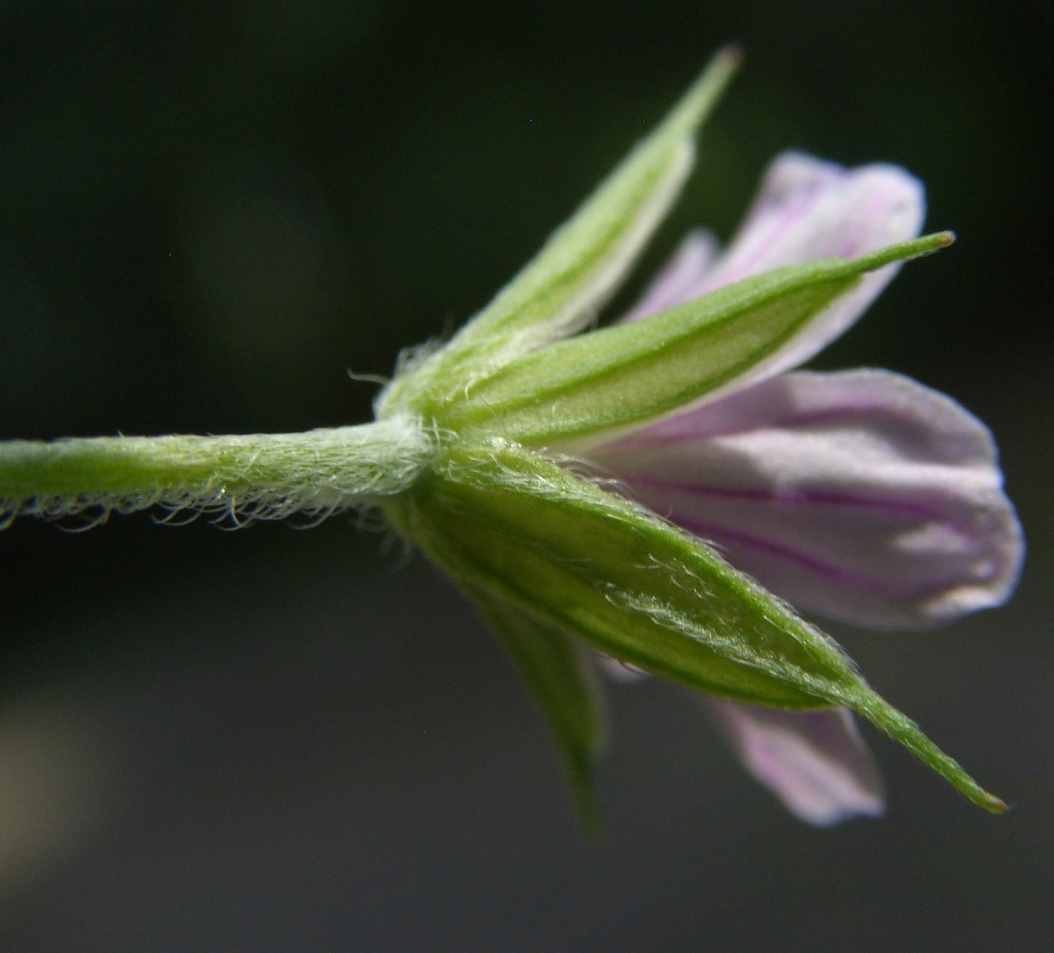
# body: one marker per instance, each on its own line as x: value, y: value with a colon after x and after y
x: 239, y: 478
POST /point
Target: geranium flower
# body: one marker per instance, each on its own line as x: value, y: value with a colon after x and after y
x: 582, y: 488
x: 860, y: 495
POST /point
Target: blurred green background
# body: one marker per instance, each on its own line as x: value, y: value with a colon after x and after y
x: 300, y: 741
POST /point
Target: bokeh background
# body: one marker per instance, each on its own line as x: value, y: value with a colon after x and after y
x: 298, y: 741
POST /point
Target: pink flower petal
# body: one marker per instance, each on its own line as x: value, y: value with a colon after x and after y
x: 860, y: 495
x: 815, y: 762
x: 806, y: 210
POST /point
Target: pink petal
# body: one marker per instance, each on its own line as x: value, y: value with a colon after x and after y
x: 806, y: 210
x: 815, y: 762
x: 860, y: 495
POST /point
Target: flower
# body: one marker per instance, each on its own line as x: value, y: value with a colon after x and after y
x: 582, y: 485
x: 579, y: 487
x: 859, y: 495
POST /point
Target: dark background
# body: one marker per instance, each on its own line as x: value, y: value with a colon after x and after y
x: 273, y: 740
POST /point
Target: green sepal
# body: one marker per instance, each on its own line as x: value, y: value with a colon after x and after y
x: 627, y: 374
x: 564, y: 286
x: 516, y: 527
x: 559, y: 676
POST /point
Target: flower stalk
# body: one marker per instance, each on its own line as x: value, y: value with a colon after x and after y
x: 258, y: 476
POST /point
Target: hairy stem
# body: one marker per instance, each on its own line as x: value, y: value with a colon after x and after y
x: 258, y: 476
